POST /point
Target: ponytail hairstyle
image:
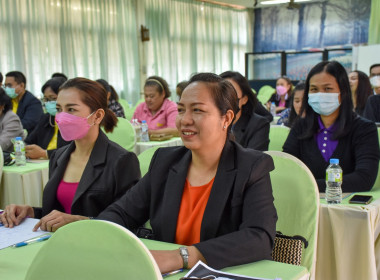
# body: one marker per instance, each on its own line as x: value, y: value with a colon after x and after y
x: 95, y: 97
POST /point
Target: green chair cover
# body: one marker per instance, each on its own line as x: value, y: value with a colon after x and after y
x: 265, y: 93
x: 124, y: 103
x: 277, y: 137
x: 123, y: 134
x: 296, y: 198
x: 144, y: 159
x: 376, y: 186
x: 93, y: 250
x: 129, y: 113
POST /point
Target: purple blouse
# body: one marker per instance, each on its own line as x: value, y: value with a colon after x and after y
x: 323, y: 137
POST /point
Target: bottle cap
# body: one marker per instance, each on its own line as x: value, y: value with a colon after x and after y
x: 18, y: 138
x: 144, y: 121
x: 334, y: 161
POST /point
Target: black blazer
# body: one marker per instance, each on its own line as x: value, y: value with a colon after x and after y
x: 252, y: 132
x: 358, y: 154
x: 109, y: 173
x: 372, y: 108
x: 29, y: 111
x: 239, y: 222
x: 43, y: 132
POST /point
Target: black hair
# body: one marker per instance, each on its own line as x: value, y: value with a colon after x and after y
x: 373, y: 66
x: 293, y: 115
x: 346, y: 114
x: 104, y: 84
x: 94, y: 96
x: 114, y: 95
x: 181, y: 86
x: 160, y: 84
x: 363, y: 91
x: 222, y: 92
x: 249, y: 107
x: 18, y: 76
x: 1, y: 78
x: 59, y: 75
x: 54, y: 84
x: 5, y: 101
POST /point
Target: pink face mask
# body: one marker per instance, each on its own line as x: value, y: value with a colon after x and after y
x: 72, y: 127
x: 281, y: 90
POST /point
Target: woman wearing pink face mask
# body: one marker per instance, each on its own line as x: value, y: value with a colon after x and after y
x: 282, y: 95
x: 90, y: 173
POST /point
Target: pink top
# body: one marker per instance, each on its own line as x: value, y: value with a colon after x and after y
x: 282, y: 103
x: 65, y: 194
x: 165, y: 117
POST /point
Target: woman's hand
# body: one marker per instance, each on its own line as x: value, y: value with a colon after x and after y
x: 56, y: 219
x: 14, y: 214
x: 35, y: 152
x: 169, y: 260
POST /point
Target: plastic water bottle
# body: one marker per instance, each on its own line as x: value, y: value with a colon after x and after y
x: 19, y: 148
x: 144, y: 132
x: 273, y: 109
x: 137, y: 126
x: 334, y: 176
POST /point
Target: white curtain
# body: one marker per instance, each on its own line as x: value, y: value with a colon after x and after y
x: 188, y: 36
x: 100, y: 39
x: 90, y: 38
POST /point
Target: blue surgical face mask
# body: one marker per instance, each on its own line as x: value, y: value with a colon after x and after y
x: 10, y: 92
x: 324, y: 103
x: 51, y: 107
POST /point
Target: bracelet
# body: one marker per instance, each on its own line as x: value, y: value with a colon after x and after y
x: 185, y: 256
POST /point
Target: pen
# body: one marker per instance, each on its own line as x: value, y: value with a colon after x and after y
x: 24, y: 243
x: 172, y: 272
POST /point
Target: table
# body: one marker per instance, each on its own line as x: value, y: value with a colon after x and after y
x: 142, y: 146
x: 14, y: 263
x: 349, y: 240
x: 24, y: 184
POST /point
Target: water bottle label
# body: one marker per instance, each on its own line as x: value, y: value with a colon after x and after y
x: 334, y: 177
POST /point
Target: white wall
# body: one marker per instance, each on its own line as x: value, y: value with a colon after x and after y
x: 364, y: 56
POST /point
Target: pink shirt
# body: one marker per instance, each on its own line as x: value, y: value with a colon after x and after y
x: 65, y: 194
x: 165, y: 117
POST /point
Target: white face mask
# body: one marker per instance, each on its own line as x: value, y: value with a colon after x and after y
x: 375, y: 81
x: 324, y: 103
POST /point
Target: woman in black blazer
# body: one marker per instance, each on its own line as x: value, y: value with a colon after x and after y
x: 45, y: 137
x: 331, y: 129
x: 237, y: 221
x: 90, y: 173
x: 250, y: 129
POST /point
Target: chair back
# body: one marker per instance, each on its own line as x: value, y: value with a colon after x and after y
x: 145, y: 158
x: 265, y: 93
x: 277, y: 137
x: 296, y: 198
x: 123, y: 103
x: 92, y: 250
x: 376, y: 186
x: 123, y: 134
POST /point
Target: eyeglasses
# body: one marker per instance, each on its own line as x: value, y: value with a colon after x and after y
x: 48, y: 100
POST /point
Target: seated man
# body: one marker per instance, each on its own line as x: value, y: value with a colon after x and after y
x: 372, y: 107
x: 25, y: 104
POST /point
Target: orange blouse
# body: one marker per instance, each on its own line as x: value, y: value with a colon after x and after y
x: 193, y: 205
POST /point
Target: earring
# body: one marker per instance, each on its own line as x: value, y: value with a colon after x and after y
x: 224, y: 127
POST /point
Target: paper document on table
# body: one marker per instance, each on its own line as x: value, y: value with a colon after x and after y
x: 201, y: 270
x: 22, y: 232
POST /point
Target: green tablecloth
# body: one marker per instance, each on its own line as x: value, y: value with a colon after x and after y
x: 14, y: 263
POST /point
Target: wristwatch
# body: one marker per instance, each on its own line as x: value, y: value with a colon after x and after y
x: 185, y: 256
